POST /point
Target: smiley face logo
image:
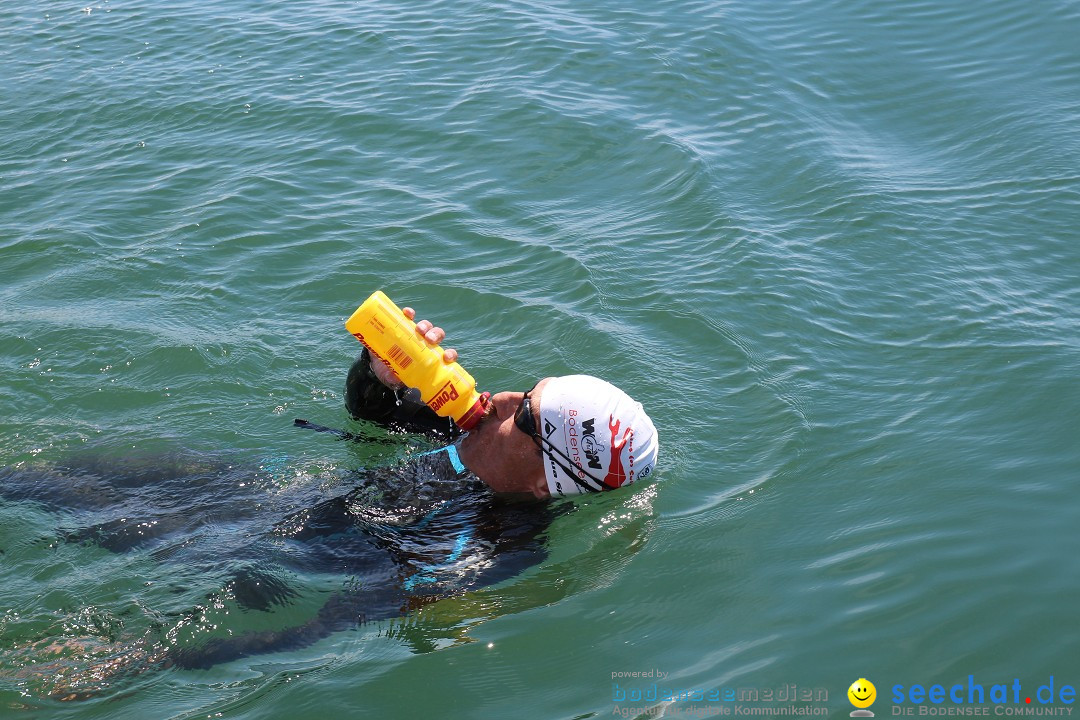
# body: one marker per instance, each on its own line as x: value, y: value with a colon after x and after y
x: 862, y: 694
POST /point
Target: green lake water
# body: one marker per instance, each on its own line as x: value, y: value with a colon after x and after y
x: 832, y: 247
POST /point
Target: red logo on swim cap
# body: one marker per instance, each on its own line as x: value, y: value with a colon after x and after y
x: 616, y: 476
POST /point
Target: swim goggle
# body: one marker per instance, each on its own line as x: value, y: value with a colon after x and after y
x: 525, y: 422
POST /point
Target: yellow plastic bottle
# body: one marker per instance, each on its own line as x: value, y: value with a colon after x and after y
x: 390, y: 336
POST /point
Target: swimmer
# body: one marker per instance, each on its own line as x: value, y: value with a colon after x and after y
x: 400, y: 538
x: 566, y: 435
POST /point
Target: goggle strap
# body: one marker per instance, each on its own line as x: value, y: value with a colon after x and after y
x: 572, y: 474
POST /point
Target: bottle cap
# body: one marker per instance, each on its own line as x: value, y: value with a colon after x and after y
x: 474, y: 414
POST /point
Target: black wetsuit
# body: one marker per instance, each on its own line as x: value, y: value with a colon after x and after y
x: 401, y: 537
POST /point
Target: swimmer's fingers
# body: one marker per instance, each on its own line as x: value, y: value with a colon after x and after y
x: 433, y: 334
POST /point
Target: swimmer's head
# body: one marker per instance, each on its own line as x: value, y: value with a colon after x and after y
x: 567, y: 435
x: 594, y: 437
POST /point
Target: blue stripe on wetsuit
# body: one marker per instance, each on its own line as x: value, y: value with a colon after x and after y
x: 452, y: 453
x: 426, y: 573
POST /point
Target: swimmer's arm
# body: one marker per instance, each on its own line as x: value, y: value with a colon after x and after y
x: 373, y: 392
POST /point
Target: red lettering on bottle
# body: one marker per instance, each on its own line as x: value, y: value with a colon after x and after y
x: 444, y: 395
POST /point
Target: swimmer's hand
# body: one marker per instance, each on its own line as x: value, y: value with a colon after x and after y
x: 432, y: 336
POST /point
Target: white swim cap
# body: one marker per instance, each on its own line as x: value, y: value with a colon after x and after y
x: 594, y: 429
